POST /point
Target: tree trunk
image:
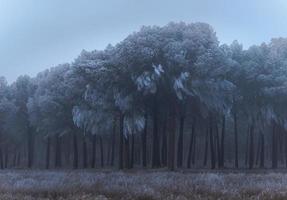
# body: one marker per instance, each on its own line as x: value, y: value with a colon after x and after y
x: 258, y: 150
x: 235, y: 138
x: 85, y: 163
x: 205, y: 148
x: 102, y: 151
x: 58, y: 152
x: 274, y: 147
x: 212, y: 153
x: 75, y: 151
x: 127, y: 151
x: 94, y: 150
x: 222, y: 156
x: 247, y: 145
x: 171, y: 141
x: 194, y: 149
x: 155, y: 143
x: 18, y: 158
x: 251, y: 146
x: 144, y: 138
x: 121, y: 138
x: 6, y: 160
x: 132, y: 151
x: 191, y: 142
x: 48, y: 153
x: 180, y: 142
x: 262, y: 153
x: 218, y: 147
x: 164, y: 143
x: 30, y: 148
x: 113, y: 143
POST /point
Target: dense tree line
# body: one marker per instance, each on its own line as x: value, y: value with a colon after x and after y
x: 169, y: 96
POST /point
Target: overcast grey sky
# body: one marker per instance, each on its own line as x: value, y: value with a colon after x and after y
x: 39, y: 34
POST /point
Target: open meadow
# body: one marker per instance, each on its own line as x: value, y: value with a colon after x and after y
x: 86, y: 185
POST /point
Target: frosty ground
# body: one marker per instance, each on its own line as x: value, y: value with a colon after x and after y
x: 38, y: 184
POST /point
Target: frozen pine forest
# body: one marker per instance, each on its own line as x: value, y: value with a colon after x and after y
x: 168, y: 97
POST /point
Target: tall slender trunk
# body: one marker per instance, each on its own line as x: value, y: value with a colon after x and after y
x: 155, y: 143
x: 262, y: 153
x: 113, y: 142
x: 144, y: 138
x: 75, y: 151
x: 222, y: 157
x: 171, y: 140
x: 235, y: 138
x: 1, y: 153
x: 6, y: 160
x: 258, y: 150
x: 85, y: 163
x: 94, y: 151
x: 30, y: 147
x: 164, y: 143
x: 121, y: 138
x: 132, y: 151
x: 247, y: 146
x: 58, y: 152
x: 274, y: 147
x: 194, y: 149
x: 212, y: 153
x: 18, y: 158
x: 48, y: 153
x: 218, y: 147
x: 205, y: 148
x: 127, y: 151
x: 180, y: 142
x: 251, y: 146
x: 102, y: 151
x: 14, y: 159
x: 191, y: 142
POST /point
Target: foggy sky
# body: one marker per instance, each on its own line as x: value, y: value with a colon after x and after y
x: 39, y: 34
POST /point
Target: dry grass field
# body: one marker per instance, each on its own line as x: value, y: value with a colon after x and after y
x: 92, y: 185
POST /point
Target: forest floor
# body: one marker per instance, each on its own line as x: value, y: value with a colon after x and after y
x: 141, y: 185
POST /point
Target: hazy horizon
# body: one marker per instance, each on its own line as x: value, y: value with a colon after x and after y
x: 36, y: 35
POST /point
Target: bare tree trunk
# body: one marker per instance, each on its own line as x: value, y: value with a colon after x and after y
x: 222, y: 157
x: 144, y: 138
x: 258, y: 150
x: 191, y: 144
x: 75, y: 151
x: 274, y: 147
x: 212, y: 153
x: 85, y: 163
x: 121, y: 138
x: 205, y: 148
x: 235, y: 138
x: 102, y: 151
x: 132, y: 151
x: 113, y: 143
x: 6, y: 160
x: 48, y: 153
x: 262, y: 153
x: 247, y: 146
x: 94, y: 150
x: 180, y: 142
x: 127, y: 151
x: 155, y: 143
x: 171, y: 140
x: 164, y: 143
x: 217, y: 143
x: 58, y: 152
x: 251, y: 147
x: 30, y: 147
